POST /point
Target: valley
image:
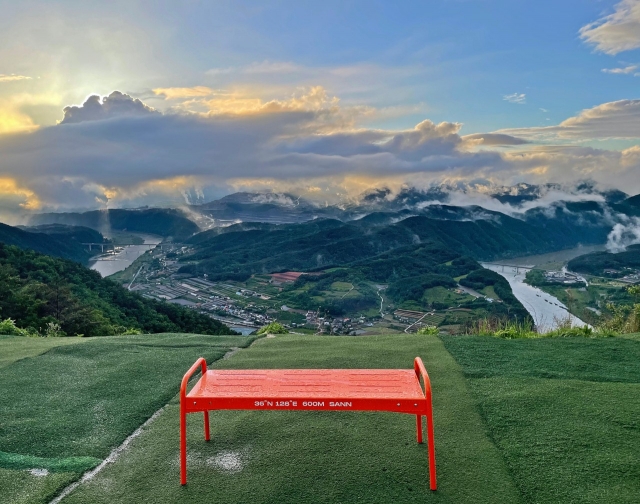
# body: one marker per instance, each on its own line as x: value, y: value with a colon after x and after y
x: 387, y: 264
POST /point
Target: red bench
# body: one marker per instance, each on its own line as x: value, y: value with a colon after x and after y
x: 395, y: 390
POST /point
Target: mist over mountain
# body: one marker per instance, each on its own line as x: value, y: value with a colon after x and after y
x: 530, y: 218
x: 58, y: 241
x: 164, y: 222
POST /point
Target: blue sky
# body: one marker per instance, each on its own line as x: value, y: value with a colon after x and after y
x: 522, y: 68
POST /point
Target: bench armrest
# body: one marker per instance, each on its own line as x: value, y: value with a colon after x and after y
x: 185, y: 380
x: 421, y: 371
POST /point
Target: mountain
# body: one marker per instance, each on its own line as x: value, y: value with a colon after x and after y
x: 404, y: 255
x: 630, y: 206
x: 164, y: 222
x: 620, y: 264
x: 38, y: 289
x: 248, y: 248
x: 276, y: 208
x: 61, y: 242
x: 80, y: 234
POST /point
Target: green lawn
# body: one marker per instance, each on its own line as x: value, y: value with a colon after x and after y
x: 564, y: 413
x: 516, y: 421
x: 311, y: 457
x: 64, y: 408
x: 13, y: 348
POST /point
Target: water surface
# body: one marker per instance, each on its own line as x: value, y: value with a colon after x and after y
x: 109, y: 264
x: 546, y: 310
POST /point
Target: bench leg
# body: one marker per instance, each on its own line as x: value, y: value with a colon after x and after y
x: 183, y: 446
x: 419, y: 428
x: 207, y: 433
x: 432, y: 449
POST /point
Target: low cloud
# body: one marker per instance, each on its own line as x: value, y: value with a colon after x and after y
x: 624, y: 234
x: 494, y: 139
x: 617, y: 32
x: 117, y: 104
x: 622, y: 70
x: 13, y: 78
x: 519, y: 98
x: 618, y: 119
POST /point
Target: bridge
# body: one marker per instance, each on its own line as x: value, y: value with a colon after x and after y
x: 517, y: 268
x: 114, y: 245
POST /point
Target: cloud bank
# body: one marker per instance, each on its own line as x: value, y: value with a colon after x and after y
x: 117, y: 151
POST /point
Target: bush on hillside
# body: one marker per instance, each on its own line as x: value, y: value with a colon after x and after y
x: 8, y: 327
x: 429, y: 330
x: 273, y: 328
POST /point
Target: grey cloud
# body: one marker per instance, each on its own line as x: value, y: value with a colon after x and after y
x: 495, y: 139
x: 618, y: 119
x: 426, y: 139
x: 616, y: 32
x: 117, y: 104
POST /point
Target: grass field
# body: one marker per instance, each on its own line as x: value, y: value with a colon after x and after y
x: 564, y: 413
x: 68, y: 402
x: 309, y: 457
x: 520, y: 421
x: 13, y: 348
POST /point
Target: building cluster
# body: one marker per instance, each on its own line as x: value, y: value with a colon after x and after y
x: 562, y: 277
x: 633, y: 278
x: 335, y: 325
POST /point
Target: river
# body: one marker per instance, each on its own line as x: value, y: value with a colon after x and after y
x: 108, y: 264
x: 546, y: 310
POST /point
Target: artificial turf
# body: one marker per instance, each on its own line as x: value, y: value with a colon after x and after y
x: 564, y: 413
x: 13, y: 348
x: 317, y: 457
x: 531, y: 421
x: 64, y: 409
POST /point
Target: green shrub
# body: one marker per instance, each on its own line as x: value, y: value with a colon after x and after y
x: 273, y: 328
x: 8, y: 326
x: 53, y: 330
x: 572, y: 332
x: 502, y: 328
x: 429, y: 330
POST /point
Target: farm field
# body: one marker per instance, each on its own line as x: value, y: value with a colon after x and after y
x: 548, y: 420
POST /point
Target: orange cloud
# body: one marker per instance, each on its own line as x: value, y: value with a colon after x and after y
x: 174, y: 93
x: 9, y: 188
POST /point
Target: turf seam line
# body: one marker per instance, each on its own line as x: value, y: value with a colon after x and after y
x: 115, y: 453
x: 112, y: 457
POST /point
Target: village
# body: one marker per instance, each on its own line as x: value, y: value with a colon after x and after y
x: 158, y: 278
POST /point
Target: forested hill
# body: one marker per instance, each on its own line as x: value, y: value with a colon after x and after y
x: 165, y: 222
x: 411, y: 257
x: 38, y: 289
x: 80, y: 234
x: 630, y: 206
x: 596, y: 263
x: 59, y: 242
x: 246, y: 249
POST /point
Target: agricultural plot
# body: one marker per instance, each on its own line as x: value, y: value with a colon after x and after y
x: 64, y: 409
x: 444, y: 296
x: 433, y: 320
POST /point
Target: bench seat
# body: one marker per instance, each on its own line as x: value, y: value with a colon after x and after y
x: 309, y: 389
